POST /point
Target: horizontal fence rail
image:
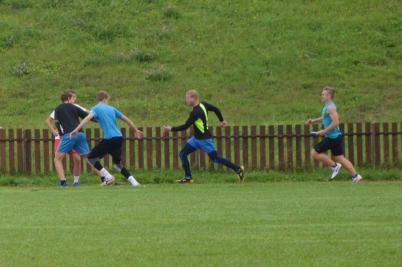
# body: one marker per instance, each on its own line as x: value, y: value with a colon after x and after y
x: 272, y: 147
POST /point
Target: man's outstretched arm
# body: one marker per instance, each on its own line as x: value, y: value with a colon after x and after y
x: 217, y: 112
x: 83, y: 122
x: 131, y: 124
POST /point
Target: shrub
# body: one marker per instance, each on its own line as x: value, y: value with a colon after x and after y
x: 22, y: 69
x: 171, y: 12
x: 159, y: 75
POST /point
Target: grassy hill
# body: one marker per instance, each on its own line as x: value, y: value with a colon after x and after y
x: 261, y: 61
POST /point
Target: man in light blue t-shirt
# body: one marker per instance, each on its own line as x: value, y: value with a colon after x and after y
x: 112, y: 141
x: 333, y: 139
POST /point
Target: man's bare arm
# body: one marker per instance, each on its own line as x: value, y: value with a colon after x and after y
x: 131, y: 124
x: 83, y: 122
x: 314, y: 121
x: 50, y: 123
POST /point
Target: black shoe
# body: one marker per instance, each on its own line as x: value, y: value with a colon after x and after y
x: 240, y: 173
x: 185, y: 181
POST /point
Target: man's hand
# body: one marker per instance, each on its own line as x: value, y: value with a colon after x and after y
x: 166, y: 131
x: 73, y: 134
x: 322, y: 133
x: 309, y: 122
x: 139, y: 134
x: 224, y: 124
x: 55, y: 132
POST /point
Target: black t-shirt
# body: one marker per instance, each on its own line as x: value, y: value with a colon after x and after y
x: 67, y: 117
x: 198, y: 113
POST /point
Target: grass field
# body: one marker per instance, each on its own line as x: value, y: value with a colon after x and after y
x: 254, y: 224
x: 261, y: 61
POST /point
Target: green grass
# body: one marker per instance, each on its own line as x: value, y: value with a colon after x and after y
x: 255, y: 224
x: 204, y: 177
x: 260, y: 61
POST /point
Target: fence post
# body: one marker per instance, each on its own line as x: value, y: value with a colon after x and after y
x: 166, y: 147
x: 289, y: 147
x: 3, y: 165
x: 245, y: 145
x: 158, y: 148
x: 28, y: 151
x: 281, y: 153
x: 395, y: 157
x: 385, y: 134
x: 271, y: 146
x: 149, y: 148
x: 350, y: 143
x: 263, y: 150
x: 11, y: 152
x: 298, y: 147
x: 377, y: 149
x: 37, y: 151
x: 140, y: 152
x: 254, y: 160
x: 236, y: 136
x: 359, y: 139
x: 46, y: 151
x: 218, y: 138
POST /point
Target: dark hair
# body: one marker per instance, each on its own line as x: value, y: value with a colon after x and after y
x: 66, y: 95
x: 102, y: 95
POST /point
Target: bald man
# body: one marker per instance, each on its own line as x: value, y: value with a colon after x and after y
x: 202, y: 138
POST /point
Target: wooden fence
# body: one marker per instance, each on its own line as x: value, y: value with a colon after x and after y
x: 279, y: 147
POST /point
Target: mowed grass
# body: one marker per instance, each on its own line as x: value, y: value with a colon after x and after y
x: 261, y: 61
x: 254, y: 224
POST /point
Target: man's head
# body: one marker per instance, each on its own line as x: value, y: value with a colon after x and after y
x: 103, y: 96
x: 192, y: 98
x: 68, y: 96
x: 327, y: 94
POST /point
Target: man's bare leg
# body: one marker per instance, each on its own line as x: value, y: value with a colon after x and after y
x: 323, y: 158
x: 58, y: 164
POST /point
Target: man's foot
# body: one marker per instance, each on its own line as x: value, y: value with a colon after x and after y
x: 240, y: 174
x: 357, y: 178
x: 133, y: 181
x: 76, y: 183
x: 108, y: 181
x: 63, y: 183
x: 335, y: 170
x: 185, y: 181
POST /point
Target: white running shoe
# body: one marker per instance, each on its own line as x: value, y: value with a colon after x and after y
x: 133, y: 181
x: 107, y: 181
x: 335, y: 170
x: 357, y: 179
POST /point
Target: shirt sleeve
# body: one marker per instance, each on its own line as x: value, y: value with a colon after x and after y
x: 81, y: 113
x: 118, y: 113
x: 214, y: 109
x: 52, y: 115
x: 191, y: 119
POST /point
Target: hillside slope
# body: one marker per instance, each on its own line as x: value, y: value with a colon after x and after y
x: 261, y: 61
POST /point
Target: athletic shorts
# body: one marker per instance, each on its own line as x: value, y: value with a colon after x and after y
x: 206, y: 145
x: 333, y: 144
x: 78, y: 143
x: 57, y: 142
x: 111, y: 146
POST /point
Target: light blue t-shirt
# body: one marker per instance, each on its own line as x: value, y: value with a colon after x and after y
x: 106, y: 116
x: 326, y: 121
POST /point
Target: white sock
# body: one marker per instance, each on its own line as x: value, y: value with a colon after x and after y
x: 76, y: 179
x: 105, y: 174
x: 132, y: 181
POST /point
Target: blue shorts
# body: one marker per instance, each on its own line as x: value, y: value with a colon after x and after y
x: 78, y: 143
x: 206, y: 145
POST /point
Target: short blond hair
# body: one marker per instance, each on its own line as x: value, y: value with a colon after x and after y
x: 193, y: 93
x: 102, y: 95
x: 330, y: 90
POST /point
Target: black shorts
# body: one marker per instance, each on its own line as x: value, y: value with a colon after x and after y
x: 333, y: 144
x: 111, y: 146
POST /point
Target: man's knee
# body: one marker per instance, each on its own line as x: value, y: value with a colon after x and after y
x: 213, y: 156
x: 92, y: 161
x: 314, y: 153
x: 183, y: 154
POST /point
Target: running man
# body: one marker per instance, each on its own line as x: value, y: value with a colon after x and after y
x: 57, y: 139
x: 67, y: 117
x: 202, y: 138
x: 112, y: 140
x: 333, y: 139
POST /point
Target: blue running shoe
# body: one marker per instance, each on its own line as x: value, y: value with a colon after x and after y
x: 76, y: 184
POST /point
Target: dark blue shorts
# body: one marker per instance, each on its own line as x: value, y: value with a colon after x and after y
x: 206, y: 145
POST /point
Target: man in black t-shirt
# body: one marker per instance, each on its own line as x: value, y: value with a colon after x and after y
x: 67, y: 117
